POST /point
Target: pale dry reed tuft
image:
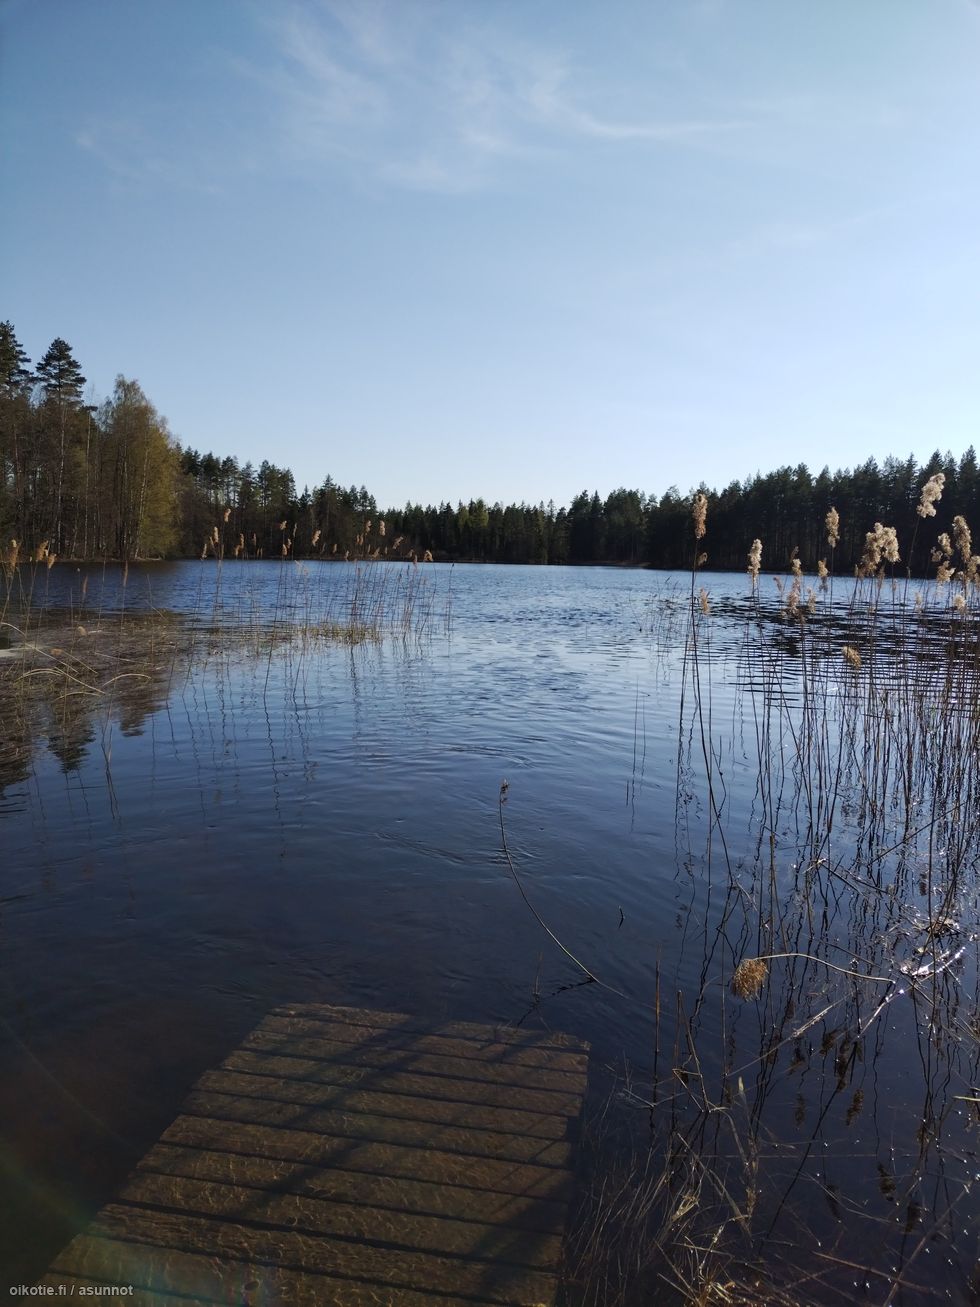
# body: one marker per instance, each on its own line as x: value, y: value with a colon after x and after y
x: 214, y: 535
x: 382, y: 527
x: 852, y: 656
x: 832, y: 523
x: 964, y: 542
x: 795, y: 566
x: 749, y: 977
x: 699, y: 512
x: 316, y: 537
x: 959, y: 603
x: 427, y: 556
x: 880, y: 546
x: 822, y: 569
x: 755, y: 561
x: 932, y: 492
x: 703, y: 602
x: 227, y: 513
x: 942, y: 556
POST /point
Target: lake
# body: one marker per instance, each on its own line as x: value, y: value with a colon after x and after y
x: 262, y: 811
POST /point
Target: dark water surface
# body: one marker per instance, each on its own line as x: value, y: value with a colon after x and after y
x: 319, y: 821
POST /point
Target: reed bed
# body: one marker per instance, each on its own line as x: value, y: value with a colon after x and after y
x: 807, y: 1131
x: 70, y: 669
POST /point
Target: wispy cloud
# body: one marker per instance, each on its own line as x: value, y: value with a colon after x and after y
x: 435, y: 100
x: 133, y: 155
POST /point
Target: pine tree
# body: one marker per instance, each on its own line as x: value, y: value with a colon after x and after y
x: 15, y: 426
x: 59, y: 374
x: 61, y: 382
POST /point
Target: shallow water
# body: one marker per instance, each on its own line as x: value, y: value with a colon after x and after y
x: 261, y: 823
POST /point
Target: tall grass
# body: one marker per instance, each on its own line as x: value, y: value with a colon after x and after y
x: 837, y: 950
x: 73, y: 665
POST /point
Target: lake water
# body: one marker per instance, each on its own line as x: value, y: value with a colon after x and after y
x: 272, y: 818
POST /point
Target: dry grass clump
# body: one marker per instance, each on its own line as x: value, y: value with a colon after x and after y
x: 749, y: 977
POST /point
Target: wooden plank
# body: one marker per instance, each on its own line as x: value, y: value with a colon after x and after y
x: 497, y: 1282
x: 433, y: 1234
x: 383, y: 1057
x: 426, y: 1198
x: 427, y: 1086
x: 353, y: 1158
x: 82, y: 1286
x: 456, y: 1029
x: 370, y: 1102
x: 500, y: 1052
x: 382, y: 1129
x: 370, y: 1157
x: 230, y: 1283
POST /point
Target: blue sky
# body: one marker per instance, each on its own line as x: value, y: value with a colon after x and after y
x: 514, y: 248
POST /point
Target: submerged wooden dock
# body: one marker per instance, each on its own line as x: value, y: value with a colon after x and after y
x: 350, y: 1157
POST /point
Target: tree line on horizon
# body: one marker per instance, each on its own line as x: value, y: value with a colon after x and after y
x: 80, y: 480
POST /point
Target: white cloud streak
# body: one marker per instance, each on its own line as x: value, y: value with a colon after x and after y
x: 426, y: 98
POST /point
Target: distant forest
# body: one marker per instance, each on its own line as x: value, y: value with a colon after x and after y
x: 110, y: 481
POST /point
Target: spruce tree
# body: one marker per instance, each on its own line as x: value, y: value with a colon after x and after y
x: 14, y: 373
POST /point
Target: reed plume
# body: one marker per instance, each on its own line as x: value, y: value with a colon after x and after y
x: 755, y: 561
x: 832, y: 523
x: 699, y: 512
x: 932, y: 492
x: 880, y: 546
x: 962, y: 538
